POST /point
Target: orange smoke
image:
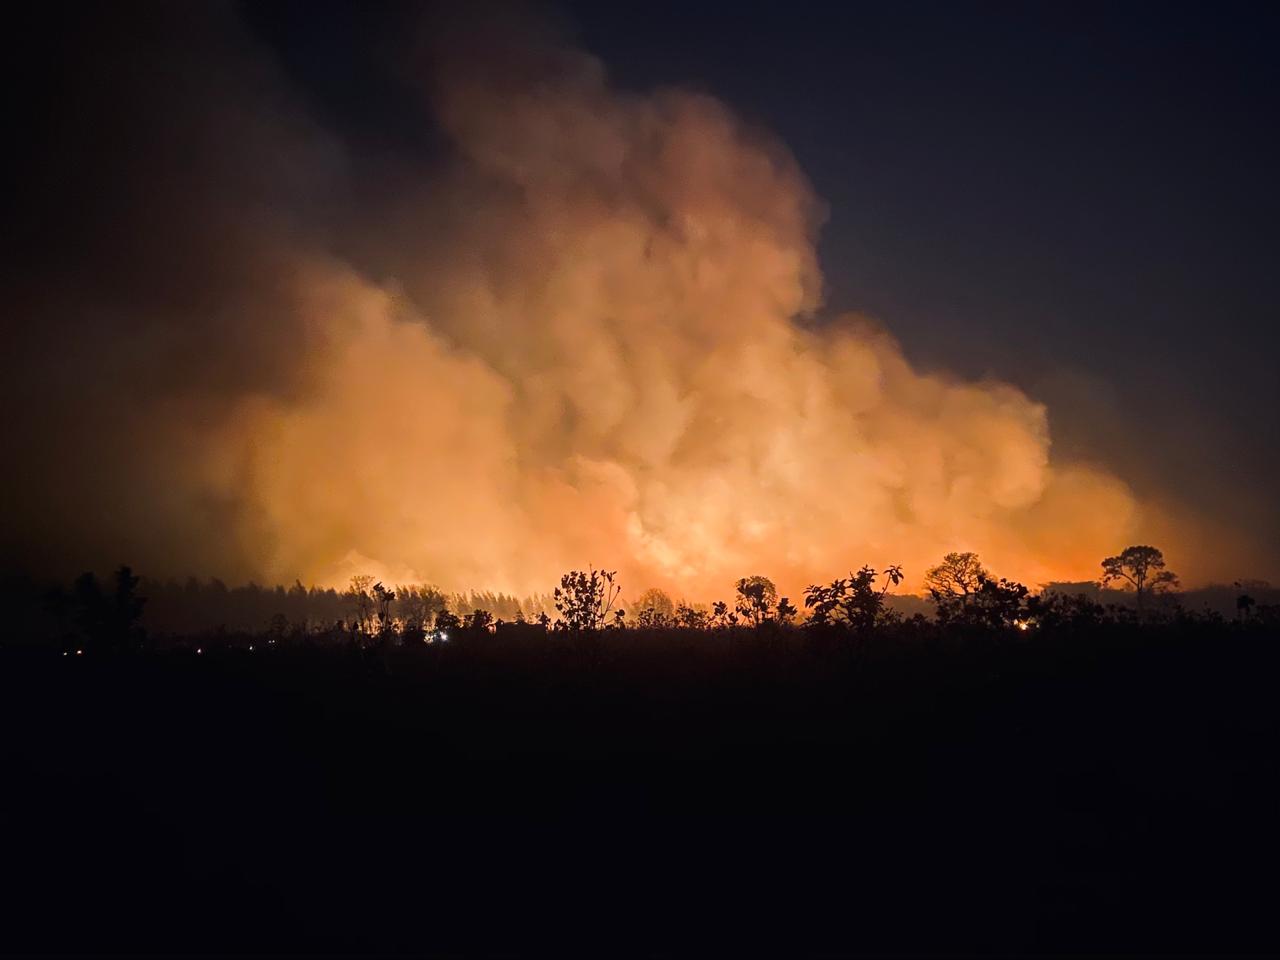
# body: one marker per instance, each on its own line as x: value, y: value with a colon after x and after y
x: 602, y: 363
x: 592, y: 336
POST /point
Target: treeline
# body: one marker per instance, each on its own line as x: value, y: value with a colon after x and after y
x: 175, y: 607
x: 1135, y: 587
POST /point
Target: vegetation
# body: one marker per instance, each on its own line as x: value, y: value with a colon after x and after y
x: 584, y: 599
x: 389, y: 767
x: 955, y: 579
x: 757, y: 597
x: 964, y: 597
x: 853, y: 602
x: 654, y: 609
x: 1143, y: 569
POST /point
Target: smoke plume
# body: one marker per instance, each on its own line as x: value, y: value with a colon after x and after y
x: 588, y: 331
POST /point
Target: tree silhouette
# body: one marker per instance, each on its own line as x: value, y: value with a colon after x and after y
x: 852, y: 601
x: 756, y: 598
x: 986, y: 602
x: 1244, y: 606
x: 418, y: 606
x: 278, y: 627
x: 110, y: 622
x: 690, y: 617
x: 998, y: 604
x: 1053, y: 610
x: 956, y: 578
x: 382, y: 600
x: 1143, y: 569
x: 478, y: 621
x: 584, y: 599
x: 722, y: 616
x: 358, y: 592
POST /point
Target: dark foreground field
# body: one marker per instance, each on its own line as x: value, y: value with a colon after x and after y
x: 672, y: 793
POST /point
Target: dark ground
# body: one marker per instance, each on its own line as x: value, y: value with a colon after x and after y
x: 1115, y: 791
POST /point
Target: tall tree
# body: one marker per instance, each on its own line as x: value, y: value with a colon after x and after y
x: 958, y: 577
x: 1141, y: 568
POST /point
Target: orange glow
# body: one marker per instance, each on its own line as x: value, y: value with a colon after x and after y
x: 594, y: 337
x: 603, y: 365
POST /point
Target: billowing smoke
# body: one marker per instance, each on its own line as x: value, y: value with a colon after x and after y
x: 590, y: 333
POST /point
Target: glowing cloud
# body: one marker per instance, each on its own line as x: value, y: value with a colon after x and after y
x: 590, y: 336
x: 602, y: 362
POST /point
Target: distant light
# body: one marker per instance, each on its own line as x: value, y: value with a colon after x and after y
x: 64, y: 653
x: 251, y: 648
x: 79, y: 653
x: 444, y: 636
x: 199, y: 650
x: 1022, y: 624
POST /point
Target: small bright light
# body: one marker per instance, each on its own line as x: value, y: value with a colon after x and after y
x: 1022, y: 625
x: 64, y: 653
x: 79, y: 653
x: 251, y: 648
x: 444, y: 636
x: 199, y: 650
